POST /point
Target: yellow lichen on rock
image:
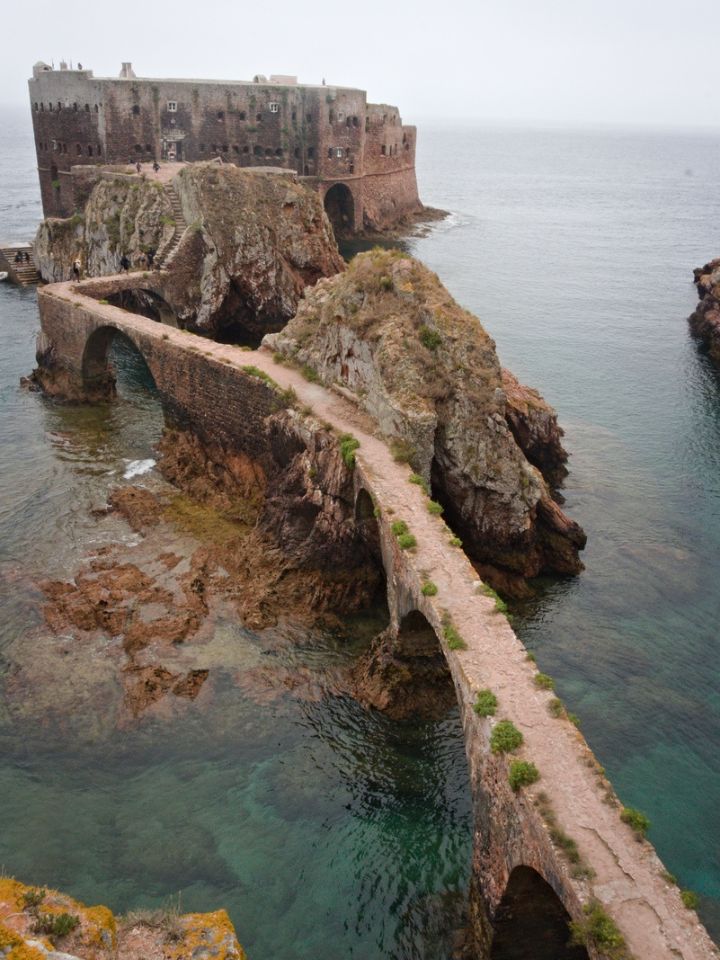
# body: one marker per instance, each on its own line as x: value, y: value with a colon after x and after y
x: 206, y: 936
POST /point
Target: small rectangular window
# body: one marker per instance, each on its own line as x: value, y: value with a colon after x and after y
x: 172, y: 106
x: 274, y: 107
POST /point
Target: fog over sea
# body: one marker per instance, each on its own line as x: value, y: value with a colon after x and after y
x: 324, y: 830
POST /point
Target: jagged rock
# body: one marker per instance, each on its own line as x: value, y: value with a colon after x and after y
x: 264, y: 238
x: 705, y: 321
x: 99, y: 935
x: 124, y: 215
x: 428, y: 373
x: 534, y: 425
x: 251, y: 242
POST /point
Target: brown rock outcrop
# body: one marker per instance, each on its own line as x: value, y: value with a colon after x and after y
x: 534, y: 425
x: 251, y: 242
x: 428, y: 373
x: 28, y: 932
x: 705, y: 321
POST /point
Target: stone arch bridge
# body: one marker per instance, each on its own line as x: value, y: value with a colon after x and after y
x: 528, y: 880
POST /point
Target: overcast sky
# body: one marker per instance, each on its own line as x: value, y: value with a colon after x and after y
x: 539, y: 61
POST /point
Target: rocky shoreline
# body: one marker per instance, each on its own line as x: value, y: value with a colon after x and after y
x: 41, y: 924
x: 705, y: 320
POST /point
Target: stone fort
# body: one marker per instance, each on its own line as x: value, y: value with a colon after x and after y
x: 358, y: 155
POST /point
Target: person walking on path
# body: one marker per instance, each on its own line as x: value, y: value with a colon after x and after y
x: 138, y: 167
x: 124, y: 264
x: 76, y: 268
x: 156, y: 166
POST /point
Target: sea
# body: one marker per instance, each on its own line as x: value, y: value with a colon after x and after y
x: 327, y: 831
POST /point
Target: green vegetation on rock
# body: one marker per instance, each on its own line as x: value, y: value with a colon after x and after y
x: 522, y: 773
x: 600, y: 931
x: 690, y: 899
x: 348, y: 445
x: 505, y: 737
x: 636, y: 820
x: 485, y: 703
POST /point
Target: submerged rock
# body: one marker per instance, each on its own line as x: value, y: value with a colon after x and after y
x: 245, y: 246
x: 705, y: 321
x: 428, y: 373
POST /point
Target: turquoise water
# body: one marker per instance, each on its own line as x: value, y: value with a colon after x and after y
x: 326, y: 831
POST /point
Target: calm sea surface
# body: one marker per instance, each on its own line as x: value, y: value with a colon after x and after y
x: 328, y: 832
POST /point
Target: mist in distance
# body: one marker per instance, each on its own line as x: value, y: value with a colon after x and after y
x: 562, y: 62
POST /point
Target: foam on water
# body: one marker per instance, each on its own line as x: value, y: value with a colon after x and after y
x: 136, y: 468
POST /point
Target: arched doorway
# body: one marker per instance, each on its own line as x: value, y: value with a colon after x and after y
x: 531, y: 923
x: 340, y: 208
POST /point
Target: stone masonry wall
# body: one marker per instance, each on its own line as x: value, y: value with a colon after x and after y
x: 328, y: 133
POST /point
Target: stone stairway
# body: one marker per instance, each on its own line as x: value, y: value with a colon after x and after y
x: 24, y: 274
x: 163, y: 261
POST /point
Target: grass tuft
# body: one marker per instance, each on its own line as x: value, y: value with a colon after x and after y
x: 522, y: 773
x: 636, y: 820
x: 348, y: 445
x: 690, y: 899
x: 505, y: 737
x: 600, y: 931
x: 420, y: 481
x: 500, y: 605
x: 485, y: 703
x: 543, y: 681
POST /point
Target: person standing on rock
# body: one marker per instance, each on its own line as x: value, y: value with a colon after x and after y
x: 76, y: 268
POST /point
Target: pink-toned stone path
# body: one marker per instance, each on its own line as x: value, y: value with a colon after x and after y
x: 629, y: 877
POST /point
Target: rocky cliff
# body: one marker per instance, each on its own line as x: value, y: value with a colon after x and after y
x: 246, y: 246
x: 429, y: 375
x: 124, y: 215
x: 40, y: 924
x: 705, y: 321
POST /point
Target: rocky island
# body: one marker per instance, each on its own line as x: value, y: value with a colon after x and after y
x: 705, y: 320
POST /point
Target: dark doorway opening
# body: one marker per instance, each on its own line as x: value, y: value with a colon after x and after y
x: 340, y: 208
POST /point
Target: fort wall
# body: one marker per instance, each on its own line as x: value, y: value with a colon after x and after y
x: 327, y: 133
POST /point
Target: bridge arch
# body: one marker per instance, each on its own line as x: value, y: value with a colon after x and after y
x: 531, y: 922
x: 340, y: 208
x: 98, y: 375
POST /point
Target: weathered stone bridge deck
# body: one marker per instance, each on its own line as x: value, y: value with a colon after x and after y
x: 513, y: 847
